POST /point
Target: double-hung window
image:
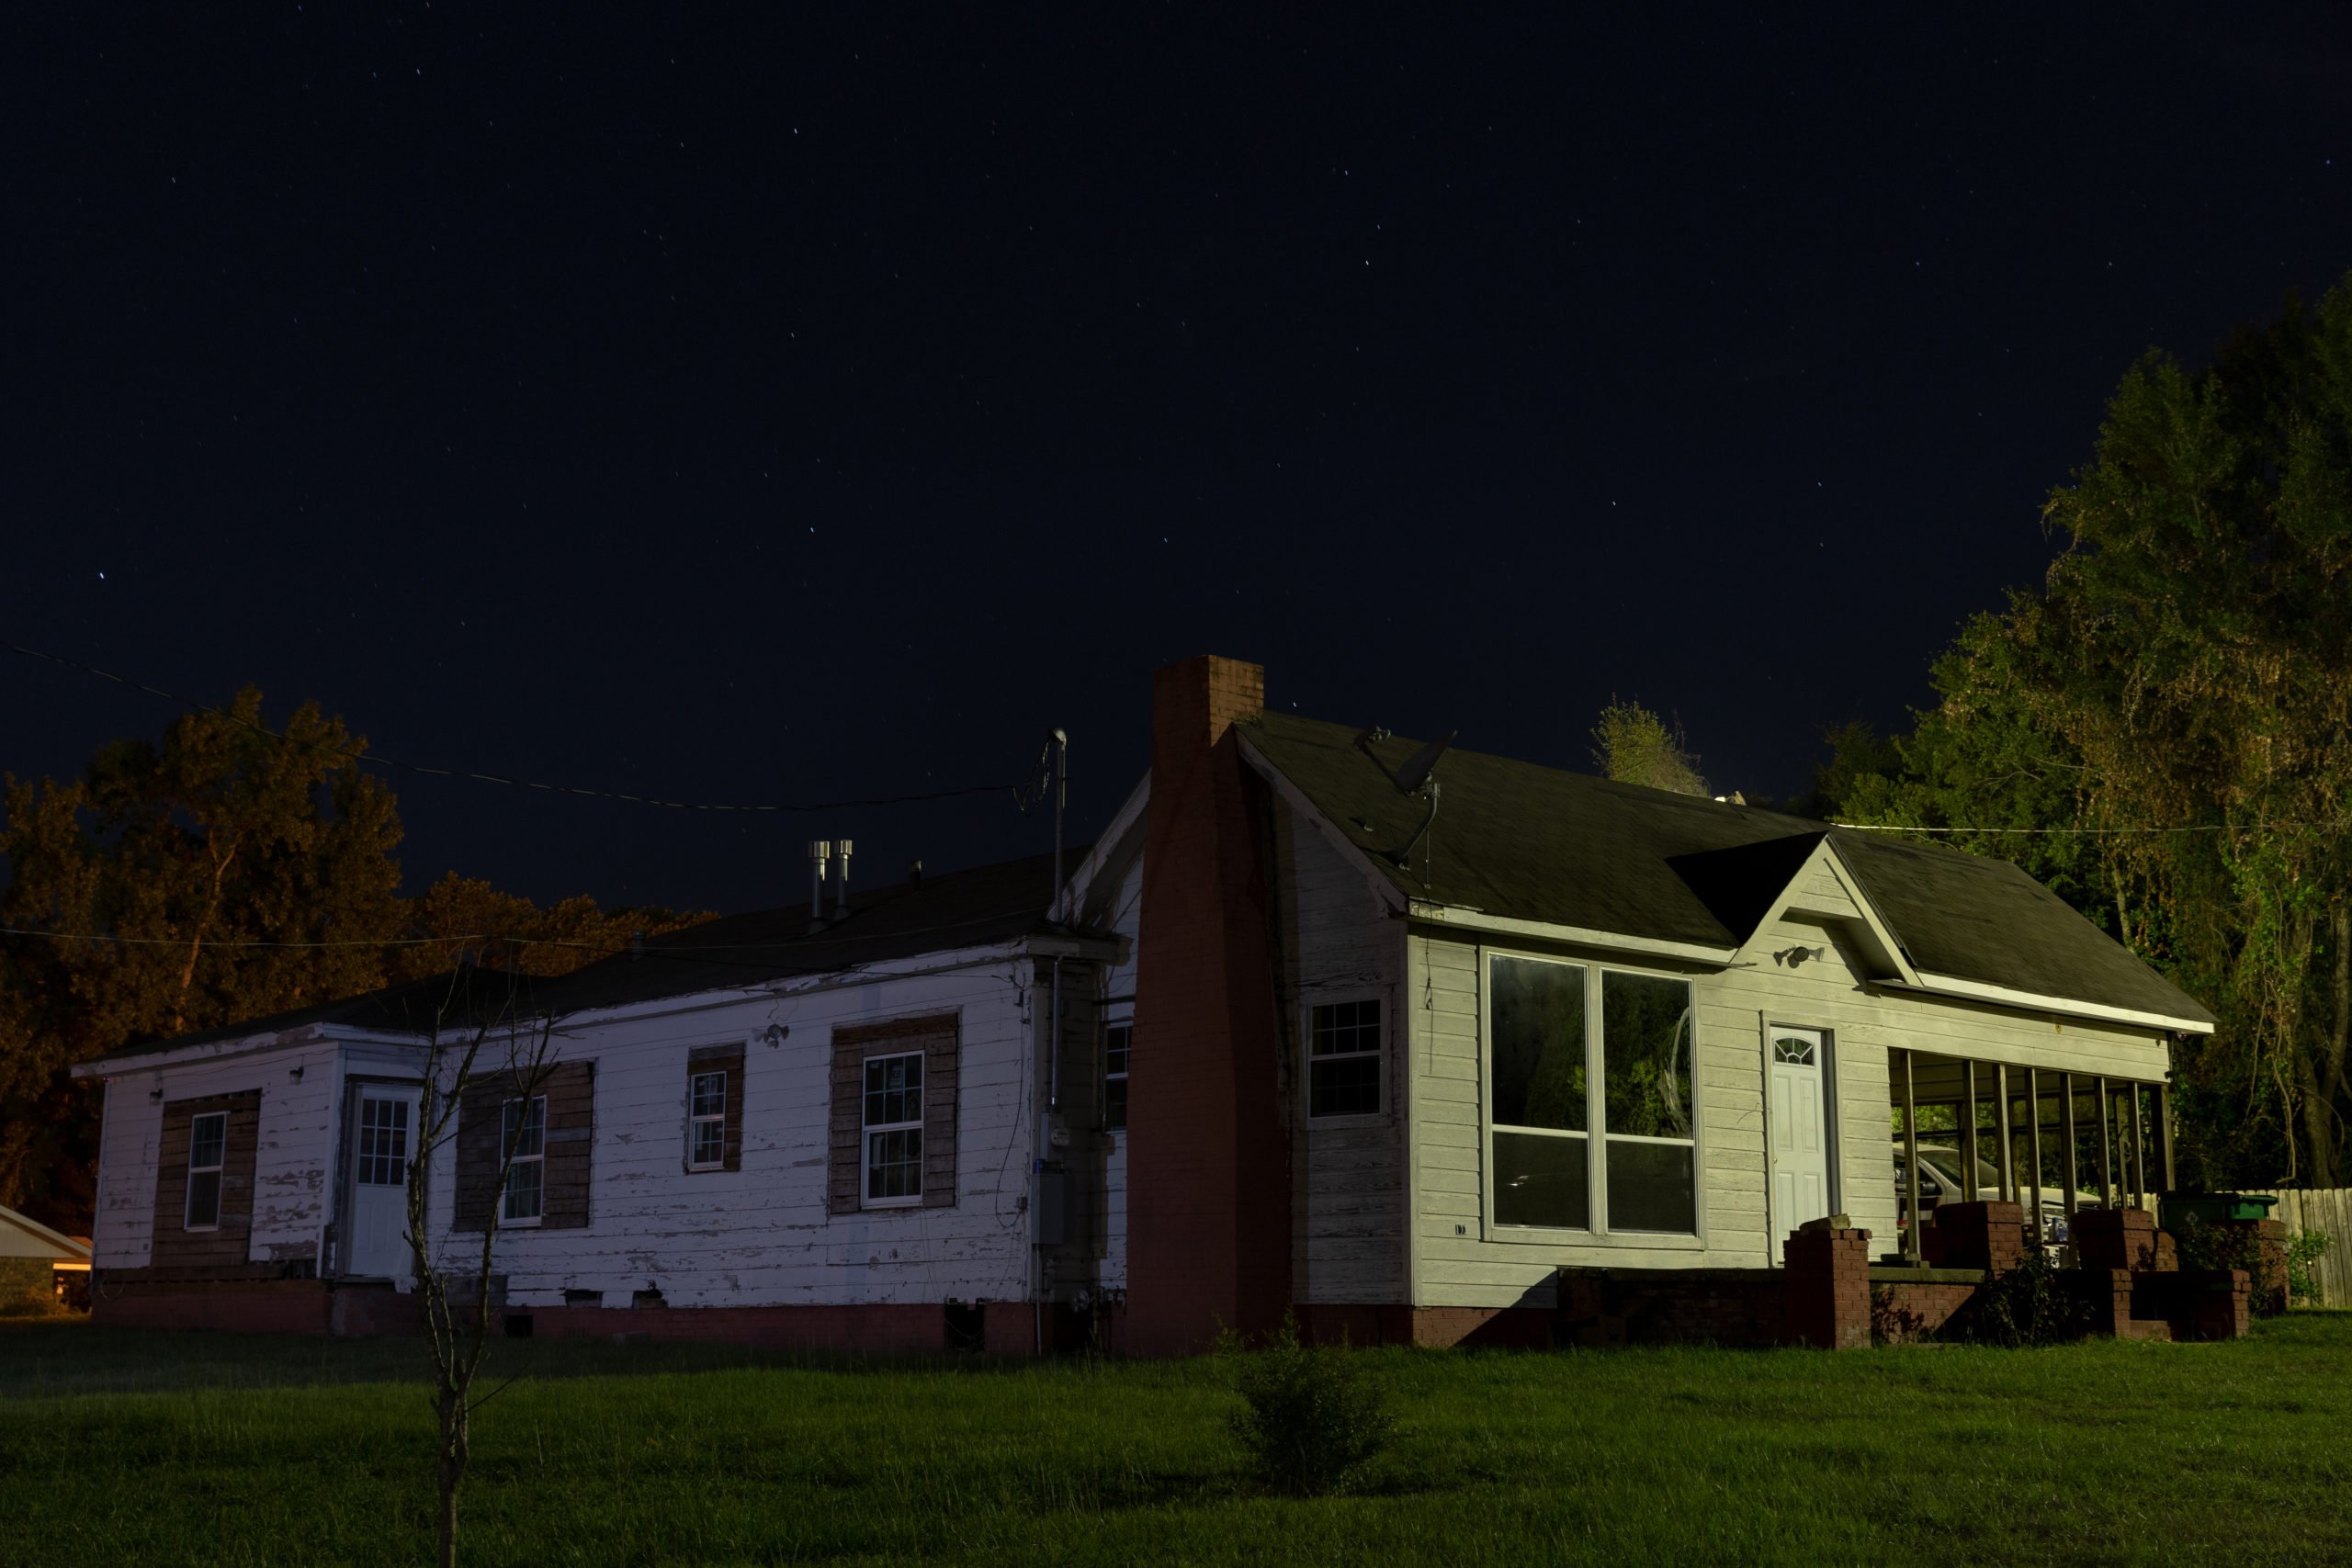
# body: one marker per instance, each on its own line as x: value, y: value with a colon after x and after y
x: 706, y: 1130
x: 1343, y: 1059
x: 523, y: 1145
x: 893, y: 1128
x: 1118, y: 1039
x: 1576, y: 1051
x: 208, y: 1151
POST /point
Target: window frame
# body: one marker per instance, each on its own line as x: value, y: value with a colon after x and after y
x: 1122, y: 1024
x: 1595, y: 1135
x: 869, y: 1131
x: 508, y: 1159
x: 219, y: 1172
x: 697, y: 1118
x: 1378, y: 1054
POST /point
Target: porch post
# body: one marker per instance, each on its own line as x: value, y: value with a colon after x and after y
x: 2164, y: 1137
x: 2033, y: 1146
x: 2139, y: 1149
x: 2073, y: 1156
x: 1912, y: 1244
x: 1968, y: 1130
x: 2009, y: 1139
x: 2106, y: 1147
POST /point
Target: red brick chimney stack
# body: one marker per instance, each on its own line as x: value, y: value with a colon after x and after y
x: 1208, y: 1171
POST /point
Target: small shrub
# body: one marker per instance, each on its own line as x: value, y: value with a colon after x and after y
x: 2210, y: 1247
x: 1310, y: 1420
x: 2026, y: 1306
x: 2304, y: 1249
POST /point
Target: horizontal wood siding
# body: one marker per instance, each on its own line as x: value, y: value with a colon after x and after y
x: 767, y: 1234
x: 1347, y: 1174
x: 1457, y: 1267
x: 293, y: 1153
x: 175, y: 1245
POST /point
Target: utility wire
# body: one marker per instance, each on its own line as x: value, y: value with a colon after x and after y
x: 378, y: 760
x: 2091, y: 832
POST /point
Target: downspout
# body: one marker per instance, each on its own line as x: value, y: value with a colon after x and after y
x: 1052, y: 1068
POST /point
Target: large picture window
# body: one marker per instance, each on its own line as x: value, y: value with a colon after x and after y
x: 1576, y: 1051
x: 894, y: 1129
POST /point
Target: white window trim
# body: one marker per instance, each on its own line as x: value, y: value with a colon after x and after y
x: 694, y: 1122
x: 866, y: 1131
x: 1379, y: 1054
x: 508, y: 1163
x: 219, y: 1195
x: 1596, y: 1136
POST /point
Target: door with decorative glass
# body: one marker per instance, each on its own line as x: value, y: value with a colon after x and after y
x: 383, y: 1142
x: 1799, y: 1128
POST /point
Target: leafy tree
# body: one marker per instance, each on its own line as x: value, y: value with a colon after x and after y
x: 1632, y: 745
x: 223, y: 874
x: 2181, y: 687
x: 163, y: 865
x: 508, y: 932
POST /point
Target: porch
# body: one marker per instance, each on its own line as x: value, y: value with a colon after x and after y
x: 1971, y: 1131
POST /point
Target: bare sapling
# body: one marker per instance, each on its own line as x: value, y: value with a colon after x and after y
x: 481, y: 1060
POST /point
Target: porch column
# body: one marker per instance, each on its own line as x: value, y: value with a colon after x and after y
x: 2009, y: 1139
x: 2067, y: 1135
x: 1911, y: 1241
x: 2033, y: 1143
x: 2106, y: 1146
x: 1968, y: 1131
x: 2138, y: 1149
x: 2164, y: 1137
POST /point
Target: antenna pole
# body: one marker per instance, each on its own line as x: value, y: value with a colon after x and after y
x: 1061, y: 799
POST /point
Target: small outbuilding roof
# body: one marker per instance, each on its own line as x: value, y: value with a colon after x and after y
x: 1535, y: 843
x: 24, y: 1236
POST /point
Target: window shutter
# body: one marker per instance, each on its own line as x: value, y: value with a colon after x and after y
x: 937, y: 1038
x: 478, y: 1110
x: 728, y: 1059
x: 174, y: 1245
x: 571, y: 1132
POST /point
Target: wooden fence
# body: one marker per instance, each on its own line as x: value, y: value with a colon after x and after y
x: 2330, y: 1212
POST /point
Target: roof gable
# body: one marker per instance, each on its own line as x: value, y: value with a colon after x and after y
x: 1523, y: 842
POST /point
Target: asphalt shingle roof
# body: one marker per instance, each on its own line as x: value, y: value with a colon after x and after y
x: 1529, y: 842
x: 979, y: 907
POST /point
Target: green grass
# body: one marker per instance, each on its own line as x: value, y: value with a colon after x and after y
x: 201, y: 1449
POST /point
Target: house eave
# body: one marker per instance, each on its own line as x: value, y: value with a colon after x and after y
x: 1455, y: 917
x: 1951, y: 989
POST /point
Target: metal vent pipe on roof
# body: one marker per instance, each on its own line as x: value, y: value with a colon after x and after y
x: 841, y: 887
x: 819, y: 851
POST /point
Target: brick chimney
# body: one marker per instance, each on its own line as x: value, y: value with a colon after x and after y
x: 1208, y: 1161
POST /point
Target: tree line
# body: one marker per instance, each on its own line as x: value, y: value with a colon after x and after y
x: 225, y: 873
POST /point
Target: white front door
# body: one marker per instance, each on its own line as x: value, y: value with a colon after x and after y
x: 1800, y: 1130
x: 383, y: 1142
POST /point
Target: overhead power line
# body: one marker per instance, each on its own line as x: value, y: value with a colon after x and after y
x: 378, y: 759
x: 2088, y: 832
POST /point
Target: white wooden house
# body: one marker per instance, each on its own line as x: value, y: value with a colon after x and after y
x: 1410, y: 1040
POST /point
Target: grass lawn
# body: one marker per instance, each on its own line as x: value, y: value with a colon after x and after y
x: 200, y: 1449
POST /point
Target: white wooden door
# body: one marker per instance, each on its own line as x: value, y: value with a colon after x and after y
x: 1800, y: 1131
x: 383, y: 1142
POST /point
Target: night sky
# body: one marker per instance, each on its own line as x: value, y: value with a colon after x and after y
x: 735, y: 411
